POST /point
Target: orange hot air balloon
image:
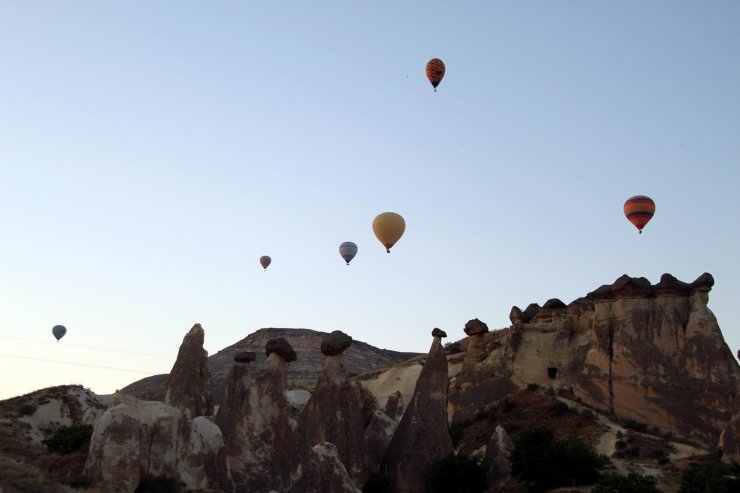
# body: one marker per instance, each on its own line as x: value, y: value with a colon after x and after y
x: 265, y: 261
x: 639, y: 210
x: 435, y: 72
x: 388, y: 228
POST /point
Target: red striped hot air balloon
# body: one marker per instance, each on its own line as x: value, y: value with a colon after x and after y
x: 435, y: 72
x: 639, y: 210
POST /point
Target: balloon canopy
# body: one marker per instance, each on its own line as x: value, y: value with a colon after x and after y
x: 348, y: 250
x: 59, y: 331
x: 639, y: 210
x: 265, y: 261
x: 388, y: 228
x: 435, y: 72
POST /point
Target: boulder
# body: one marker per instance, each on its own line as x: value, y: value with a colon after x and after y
x: 335, y: 343
x: 135, y: 439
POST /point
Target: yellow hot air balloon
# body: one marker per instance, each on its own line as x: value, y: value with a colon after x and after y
x: 388, y: 228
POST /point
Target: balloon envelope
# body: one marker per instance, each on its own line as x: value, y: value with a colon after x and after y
x: 388, y: 228
x: 265, y: 261
x: 435, y: 71
x: 59, y: 331
x: 348, y: 250
x: 639, y: 210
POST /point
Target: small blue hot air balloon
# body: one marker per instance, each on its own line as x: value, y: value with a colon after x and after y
x: 59, y: 331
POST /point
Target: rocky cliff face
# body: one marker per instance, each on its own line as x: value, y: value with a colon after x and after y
x: 648, y: 353
x: 303, y: 373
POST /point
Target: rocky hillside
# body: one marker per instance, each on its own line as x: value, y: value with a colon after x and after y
x: 301, y: 374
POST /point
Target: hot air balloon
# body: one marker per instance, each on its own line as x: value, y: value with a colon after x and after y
x: 389, y: 228
x: 348, y: 250
x: 265, y: 261
x: 435, y: 72
x: 59, y: 331
x: 639, y: 210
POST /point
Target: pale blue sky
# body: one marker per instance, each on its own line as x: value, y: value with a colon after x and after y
x: 151, y: 152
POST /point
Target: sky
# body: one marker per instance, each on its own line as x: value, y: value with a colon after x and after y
x: 152, y: 151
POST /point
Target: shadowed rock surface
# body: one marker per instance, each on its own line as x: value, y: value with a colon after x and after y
x: 334, y: 414
x: 324, y: 472
x: 262, y: 448
x: 189, y: 384
x: 422, y: 436
x: 476, y: 350
x: 302, y: 374
x: 496, y: 460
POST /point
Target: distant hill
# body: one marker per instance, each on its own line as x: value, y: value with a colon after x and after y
x: 301, y: 374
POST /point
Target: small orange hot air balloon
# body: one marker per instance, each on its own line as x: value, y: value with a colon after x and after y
x: 435, y: 72
x: 639, y: 210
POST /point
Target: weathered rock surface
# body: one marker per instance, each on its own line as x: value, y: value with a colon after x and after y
x: 378, y: 435
x: 324, y: 472
x: 136, y: 438
x: 650, y: 353
x: 422, y: 436
x: 496, y: 460
x: 302, y: 374
x: 334, y: 414
x: 335, y: 343
x: 189, y: 383
x: 476, y: 350
x: 255, y: 420
x: 394, y: 406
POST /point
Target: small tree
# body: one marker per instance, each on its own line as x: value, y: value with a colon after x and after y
x: 68, y: 439
x: 541, y: 462
x: 711, y: 477
x: 632, y: 483
x: 456, y: 473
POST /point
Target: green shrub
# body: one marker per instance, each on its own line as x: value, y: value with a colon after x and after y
x: 457, y: 473
x: 68, y: 439
x: 157, y: 484
x: 453, y: 347
x: 711, y: 477
x: 631, y: 424
x: 558, y: 407
x: 541, y: 462
x: 632, y: 483
x: 27, y: 409
x: 532, y: 387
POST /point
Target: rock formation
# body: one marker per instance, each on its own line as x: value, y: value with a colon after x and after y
x: 256, y: 423
x: 422, y: 436
x: 189, y: 384
x: 648, y: 353
x: 136, y: 439
x: 378, y: 435
x: 394, y: 406
x: 324, y: 472
x: 303, y: 374
x: 476, y: 351
x: 334, y: 412
x: 496, y: 460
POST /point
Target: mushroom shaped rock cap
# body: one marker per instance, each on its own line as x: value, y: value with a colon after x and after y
x: 515, y: 315
x: 282, y: 348
x: 335, y: 343
x: 245, y: 357
x: 438, y: 333
x: 475, y: 326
